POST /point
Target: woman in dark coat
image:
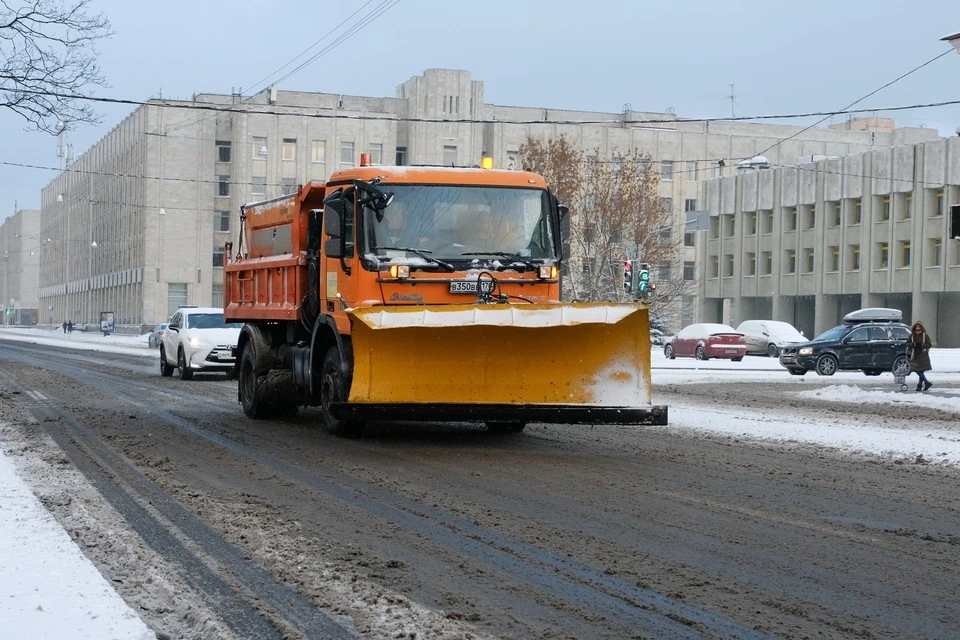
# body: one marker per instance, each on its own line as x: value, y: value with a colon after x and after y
x: 918, y: 346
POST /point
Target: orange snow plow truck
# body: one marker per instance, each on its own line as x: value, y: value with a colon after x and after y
x: 426, y: 294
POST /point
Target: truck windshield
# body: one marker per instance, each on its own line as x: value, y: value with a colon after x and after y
x: 461, y: 223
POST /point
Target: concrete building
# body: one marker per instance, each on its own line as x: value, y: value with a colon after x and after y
x: 20, y: 246
x: 810, y: 243
x: 139, y: 221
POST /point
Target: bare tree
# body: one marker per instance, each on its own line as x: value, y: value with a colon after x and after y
x: 48, y: 61
x: 615, y: 215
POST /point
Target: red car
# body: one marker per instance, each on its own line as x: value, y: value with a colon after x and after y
x: 705, y: 340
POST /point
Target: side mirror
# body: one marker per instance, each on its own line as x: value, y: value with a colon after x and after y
x: 563, y: 210
x: 332, y: 222
x: 333, y: 248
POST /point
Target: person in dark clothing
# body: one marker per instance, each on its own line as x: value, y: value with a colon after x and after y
x: 70, y: 326
x: 64, y: 325
x: 918, y: 346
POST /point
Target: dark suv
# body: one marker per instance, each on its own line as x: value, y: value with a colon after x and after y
x: 871, y: 340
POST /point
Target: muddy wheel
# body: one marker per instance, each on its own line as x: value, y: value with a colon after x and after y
x: 166, y: 369
x: 827, y: 365
x: 333, y: 389
x: 248, y: 386
x: 185, y: 372
x: 511, y: 426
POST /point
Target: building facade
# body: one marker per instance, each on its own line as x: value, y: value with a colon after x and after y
x: 808, y: 244
x: 20, y: 246
x: 138, y: 223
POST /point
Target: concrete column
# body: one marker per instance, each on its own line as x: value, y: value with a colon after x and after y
x: 925, y: 310
x: 825, y: 316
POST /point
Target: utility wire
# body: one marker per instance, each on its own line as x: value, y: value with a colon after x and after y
x: 846, y: 109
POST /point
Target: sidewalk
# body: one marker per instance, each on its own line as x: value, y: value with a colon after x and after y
x: 48, y: 588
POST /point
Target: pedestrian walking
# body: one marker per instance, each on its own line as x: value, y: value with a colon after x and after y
x: 64, y: 325
x: 918, y: 346
x: 70, y: 326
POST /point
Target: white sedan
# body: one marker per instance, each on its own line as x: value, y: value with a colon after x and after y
x: 198, y: 339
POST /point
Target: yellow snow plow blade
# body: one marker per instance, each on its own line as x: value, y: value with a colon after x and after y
x: 587, y: 356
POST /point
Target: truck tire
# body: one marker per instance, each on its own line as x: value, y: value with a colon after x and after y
x: 166, y: 369
x: 186, y: 373
x: 333, y: 389
x: 248, y: 387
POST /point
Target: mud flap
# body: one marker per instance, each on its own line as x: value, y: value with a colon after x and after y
x: 487, y: 360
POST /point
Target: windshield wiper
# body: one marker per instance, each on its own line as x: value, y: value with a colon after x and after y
x: 423, y: 253
x: 504, y: 254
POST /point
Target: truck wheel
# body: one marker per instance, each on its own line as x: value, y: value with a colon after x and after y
x: 513, y: 426
x: 248, y: 387
x: 185, y: 372
x: 166, y: 369
x: 333, y: 389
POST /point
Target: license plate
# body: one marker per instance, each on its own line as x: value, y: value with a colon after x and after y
x: 470, y: 286
x: 732, y: 350
x: 224, y: 355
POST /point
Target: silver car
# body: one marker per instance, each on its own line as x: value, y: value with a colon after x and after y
x: 769, y: 337
x: 156, y: 336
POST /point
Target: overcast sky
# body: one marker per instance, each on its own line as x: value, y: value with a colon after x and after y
x: 780, y: 57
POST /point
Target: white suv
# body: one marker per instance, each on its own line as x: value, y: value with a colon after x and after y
x: 198, y: 339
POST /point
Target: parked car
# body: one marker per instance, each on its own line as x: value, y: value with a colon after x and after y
x: 156, y: 336
x: 198, y: 339
x: 705, y: 340
x: 871, y: 340
x: 769, y: 337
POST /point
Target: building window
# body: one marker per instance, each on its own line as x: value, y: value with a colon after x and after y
x: 729, y: 226
x: 751, y: 223
x: 589, y: 264
x: 836, y: 213
x: 288, y: 185
x: 689, y: 271
x: 259, y: 147
x: 318, y: 151
x: 615, y: 163
x: 904, y: 253
x: 346, y: 154
x: 854, y: 257
x: 750, y: 264
x: 790, y: 265
x: 513, y: 160
x: 808, y: 260
x: 666, y: 169
x: 689, y: 238
x: 938, y: 203
x: 883, y: 205
x: 766, y: 262
x: 450, y: 155
x: 590, y: 232
x: 216, y: 295
x: 714, y: 229
x: 221, y: 221
x: 666, y: 204
x: 936, y: 252
x: 834, y: 259
x: 289, y: 149
x: 883, y: 255
x: 663, y: 273
x: 176, y: 297
x: 906, y: 206
x: 790, y: 219
x: 810, y: 217
x: 767, y: 217
x: 223, y: 151
x: 692, y: 173
x: 401, y: 156
x: 714, y: 266
x: 223, y: 186
x: 218, y: 256
x: 690, y: 204
x: 728, y: 265
x: 856, y: 211
x: 717, y: 171
x: 258, y: 186
x: 665, y: 235
x: 376, y: 153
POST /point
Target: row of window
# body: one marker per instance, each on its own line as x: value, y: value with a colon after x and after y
x: 882, y: 254
x: 805, y: 216
x: 288, y: 150
x: 690, y: 170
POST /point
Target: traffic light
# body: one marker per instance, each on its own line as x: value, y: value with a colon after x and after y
x: 628, y: 276
x: 643, y: 279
